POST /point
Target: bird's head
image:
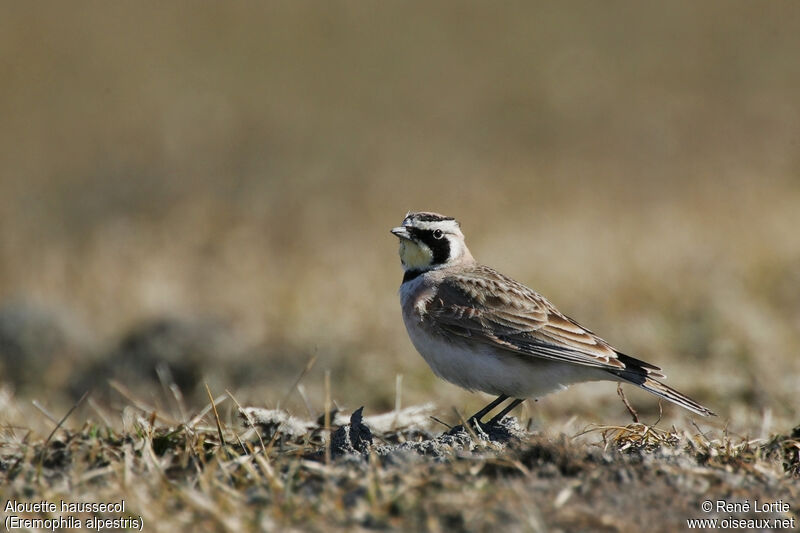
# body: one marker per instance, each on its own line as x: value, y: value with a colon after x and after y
x: 429, y: 241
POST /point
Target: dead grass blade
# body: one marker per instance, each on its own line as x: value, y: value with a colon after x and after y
x: 216, y: 419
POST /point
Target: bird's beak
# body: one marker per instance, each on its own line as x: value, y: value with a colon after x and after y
x: 402, y: 232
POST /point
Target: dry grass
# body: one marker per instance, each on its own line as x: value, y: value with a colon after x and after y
x: 275, y: 475
x: 203, y: 195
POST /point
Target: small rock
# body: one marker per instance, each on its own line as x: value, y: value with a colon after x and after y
x: 271, y: 421
x: 353, y: 438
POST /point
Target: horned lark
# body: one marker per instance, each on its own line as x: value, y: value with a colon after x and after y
x: 484, y: 331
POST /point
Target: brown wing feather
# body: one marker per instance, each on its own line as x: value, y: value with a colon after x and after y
x: 486, y: 306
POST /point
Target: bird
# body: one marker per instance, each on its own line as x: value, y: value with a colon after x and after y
x: 482, y: 330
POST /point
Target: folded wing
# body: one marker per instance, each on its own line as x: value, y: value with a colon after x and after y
x: 488, y: 307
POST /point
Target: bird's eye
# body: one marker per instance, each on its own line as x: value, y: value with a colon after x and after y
x: 437, y: 234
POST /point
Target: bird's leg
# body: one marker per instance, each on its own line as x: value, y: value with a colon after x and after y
x: 507, y: 409
x: 480, y: 414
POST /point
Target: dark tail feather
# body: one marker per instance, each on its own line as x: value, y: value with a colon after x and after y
x: 639, y: 376
x: 663, y: 391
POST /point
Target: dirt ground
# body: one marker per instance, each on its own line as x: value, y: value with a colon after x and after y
x: 275, y: 472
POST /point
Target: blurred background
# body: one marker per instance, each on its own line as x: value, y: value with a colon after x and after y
x: 206, y: 190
